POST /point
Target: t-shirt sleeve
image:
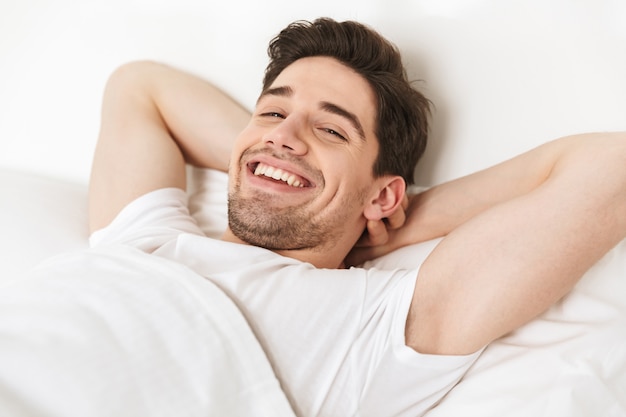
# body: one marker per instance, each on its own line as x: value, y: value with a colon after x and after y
x: 149, y: 221
x: 393, y: 369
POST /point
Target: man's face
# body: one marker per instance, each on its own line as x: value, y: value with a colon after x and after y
x: 301, y: 172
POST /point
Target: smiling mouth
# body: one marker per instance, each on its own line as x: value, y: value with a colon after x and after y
x: 261, y: 169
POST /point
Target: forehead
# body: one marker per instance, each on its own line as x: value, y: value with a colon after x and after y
x: 325, y: 80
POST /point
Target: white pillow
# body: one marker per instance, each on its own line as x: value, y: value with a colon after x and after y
x: 208, y: 199
x: 41, y: 217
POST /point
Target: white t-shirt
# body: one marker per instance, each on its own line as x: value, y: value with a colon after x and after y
x: 335, y: 338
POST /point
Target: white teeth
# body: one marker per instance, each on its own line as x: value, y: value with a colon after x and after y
x: 260, y: 169
x: 277, y: 174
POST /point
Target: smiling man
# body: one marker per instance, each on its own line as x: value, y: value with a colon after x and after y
x: 322, y: 162
x: 296, y: 135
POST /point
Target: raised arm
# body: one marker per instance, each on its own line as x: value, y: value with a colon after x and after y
x: 518, y: 236
x: 154, y: 120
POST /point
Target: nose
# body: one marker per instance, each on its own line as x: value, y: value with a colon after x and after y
x: 287, y: 136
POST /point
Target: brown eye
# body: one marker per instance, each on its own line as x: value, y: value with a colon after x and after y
x: 273, y: 114
x: 334, y: 133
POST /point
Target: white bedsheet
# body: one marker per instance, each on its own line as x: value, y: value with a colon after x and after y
x: 116, y: 332
x: 569, y: 362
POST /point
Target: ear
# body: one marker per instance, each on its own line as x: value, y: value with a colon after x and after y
x: 387, y: 199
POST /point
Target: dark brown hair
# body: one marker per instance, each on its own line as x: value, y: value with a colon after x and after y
x: 402, y: 113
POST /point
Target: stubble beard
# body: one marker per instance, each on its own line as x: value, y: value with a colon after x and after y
x: 256, y: 221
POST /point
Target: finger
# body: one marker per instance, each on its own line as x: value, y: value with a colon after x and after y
x: 376, y: 234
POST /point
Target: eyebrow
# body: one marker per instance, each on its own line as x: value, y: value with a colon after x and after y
x: 350, y: 117
x: 286, y: 91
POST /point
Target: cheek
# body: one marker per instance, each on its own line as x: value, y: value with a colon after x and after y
x: 349, y: 166
x: 348, y: 177
x: 245, y: 139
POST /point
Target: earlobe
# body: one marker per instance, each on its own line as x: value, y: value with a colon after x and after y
x: 387, y: 200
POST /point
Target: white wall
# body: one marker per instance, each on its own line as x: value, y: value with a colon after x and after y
x: 504, y: 74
